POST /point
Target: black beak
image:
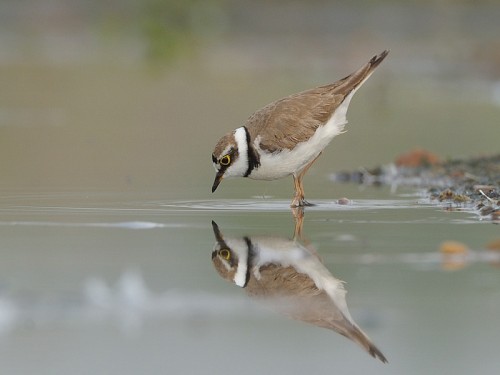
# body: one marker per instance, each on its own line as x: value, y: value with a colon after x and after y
x: 218, y: 178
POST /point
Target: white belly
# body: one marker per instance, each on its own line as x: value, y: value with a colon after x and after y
x: 287, y: 162
x: 284, y: 163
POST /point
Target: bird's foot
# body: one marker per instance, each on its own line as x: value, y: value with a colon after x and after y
x: 300, y: 202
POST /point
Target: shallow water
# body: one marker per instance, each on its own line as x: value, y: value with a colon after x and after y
x: 114, y: 282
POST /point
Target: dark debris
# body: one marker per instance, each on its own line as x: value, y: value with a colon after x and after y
x: 472, y: 183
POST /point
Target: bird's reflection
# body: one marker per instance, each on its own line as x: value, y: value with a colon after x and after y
x: 292, y: 279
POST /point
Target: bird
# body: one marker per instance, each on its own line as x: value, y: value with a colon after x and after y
x: 288, y: 135
x: 290, y: 279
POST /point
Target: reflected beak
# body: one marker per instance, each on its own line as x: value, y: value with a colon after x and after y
x: 217, y: 233
x: 218, y: 236
x: 218, y: 178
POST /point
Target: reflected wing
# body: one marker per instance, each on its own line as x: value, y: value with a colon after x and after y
x: 295, y: 295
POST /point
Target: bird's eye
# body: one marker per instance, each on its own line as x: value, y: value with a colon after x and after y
x: 226, y: 159
x: 225, y: 253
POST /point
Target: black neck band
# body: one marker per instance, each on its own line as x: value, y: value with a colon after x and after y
x: 253, y: 159
x: 250, y: 256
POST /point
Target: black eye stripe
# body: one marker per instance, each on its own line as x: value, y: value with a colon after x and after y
x: 214, y: 159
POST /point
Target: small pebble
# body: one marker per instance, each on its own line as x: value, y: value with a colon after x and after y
x: 343, y: 201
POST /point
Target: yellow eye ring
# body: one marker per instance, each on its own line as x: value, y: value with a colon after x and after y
x: 225, y: 253
x: 226, y: 159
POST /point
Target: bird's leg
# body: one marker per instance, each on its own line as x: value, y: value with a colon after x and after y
x: 298, y: 215
x: 298, y: 199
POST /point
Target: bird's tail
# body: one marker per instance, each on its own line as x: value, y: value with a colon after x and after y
x: 370, y: 347
x: 358, y: 336
x: 356, y: 79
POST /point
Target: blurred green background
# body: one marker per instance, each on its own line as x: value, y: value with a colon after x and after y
x: 133, y: 95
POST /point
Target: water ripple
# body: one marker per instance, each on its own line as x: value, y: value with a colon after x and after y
x: 122, y: 225
x: 284, y: 205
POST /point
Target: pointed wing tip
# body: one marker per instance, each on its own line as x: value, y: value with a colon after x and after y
x: 377, y: 59
x: 375, y: 353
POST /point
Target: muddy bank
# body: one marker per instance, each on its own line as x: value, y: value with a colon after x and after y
x: 457, y: 183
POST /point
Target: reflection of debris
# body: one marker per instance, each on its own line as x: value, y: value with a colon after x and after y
x: 453, y: 247
x: 471, y: 183
x: 450, y: 257
x: 454, y: 255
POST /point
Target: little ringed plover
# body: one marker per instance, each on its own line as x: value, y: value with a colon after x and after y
x: 288, y: 135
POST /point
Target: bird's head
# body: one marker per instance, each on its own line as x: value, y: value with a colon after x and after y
x: 230, y: 258
x: 230, y: 156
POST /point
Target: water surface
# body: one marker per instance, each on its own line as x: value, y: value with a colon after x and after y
x: 114, y: 282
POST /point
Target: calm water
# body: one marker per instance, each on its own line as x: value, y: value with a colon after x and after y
x: 123, y: 283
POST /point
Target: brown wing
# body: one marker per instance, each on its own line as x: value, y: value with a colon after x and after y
x: 288, y: 121
x: 284, y: 123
